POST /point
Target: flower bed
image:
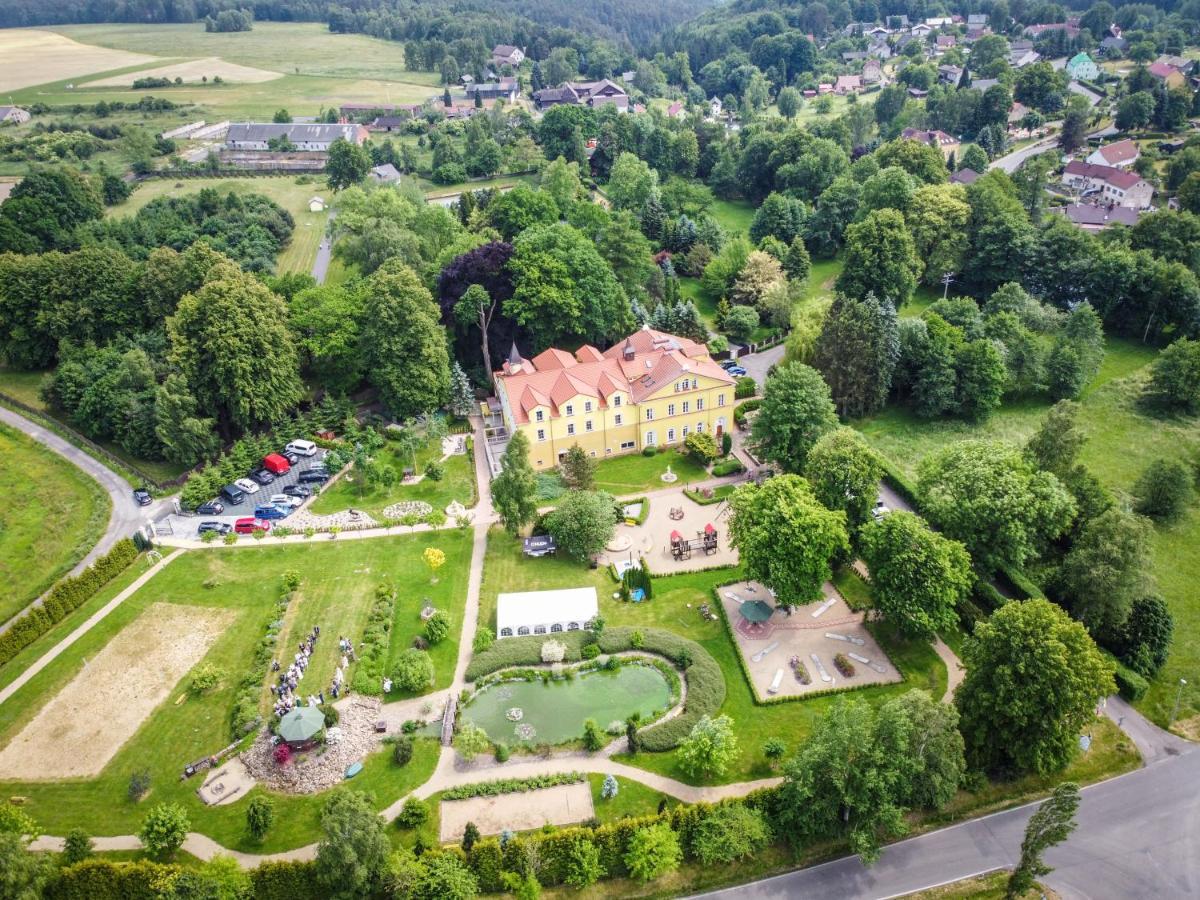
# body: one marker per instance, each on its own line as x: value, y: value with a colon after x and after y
x: 842, y: 663
x: 512, y: 786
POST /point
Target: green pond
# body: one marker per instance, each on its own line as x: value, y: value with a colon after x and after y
x: 554, y: 712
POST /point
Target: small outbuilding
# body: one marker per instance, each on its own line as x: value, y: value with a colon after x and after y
x: 545, y: 612
x: 316, y: 204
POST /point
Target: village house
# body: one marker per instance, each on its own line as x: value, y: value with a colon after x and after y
x: 939, y: 21
x: 1168, y: 74
x: 385, y: 174
x: 505, y: 89
x: 649, y: 390
x: 872, y: 72
x: 1113, y: 45
x: 506, y: 55
x: 947, y: 143
x: 583, y: 93
x: 920, y: 30
x: 1115, y: 186
x: 1097, y: 217
x: 714, y: 107
x: 1035, y: 31
x: 951, y: 75
x: 964, y: 177
x: 848, y: 84
x: 945, y: 42
x: 13, y: 115
x: 1120, y: 153
x: 675, y: 110
x: 303, y: 138
x: 1021, y: 54
x: 1081, y: 66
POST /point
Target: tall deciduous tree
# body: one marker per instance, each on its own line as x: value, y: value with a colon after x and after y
x: 353, y: 852
x: 787, y: 539
x: 710, y: 747
x: 1051, y: 824
x: 231, y: 342
x: 326, y: 321
x: 403, y: 343
x: 796, y: 410
x: 1033, y: 680
x: 987, y: 496
x: 631, y: 183
x: 348, y: 164
x: 920, y: 736
x: 583, y: 523
x: 1106, y: 568
x: 917, y: 575
x: 880, y: 258
x: 844, y: 473
x: 937, y: 217
x: 857, y: 353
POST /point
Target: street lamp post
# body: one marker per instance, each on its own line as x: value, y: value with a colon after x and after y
x: 1178, y: 697
x: 946, y: 279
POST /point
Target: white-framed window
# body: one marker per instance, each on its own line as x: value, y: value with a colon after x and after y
x: 571, y: 428
x: 539, y: 416
x: 587, y: 426
x: 541, y: 434
x: 695, y: 384
x: 651, y: 439
x: 670, y: 409
x: 616, y: 399
x: 587, y: 406
x: 539, y: 629
x: 627, y: 445
x: 523, y: 630
x: 699, y: 404
x: 670, y: 435
x: 570, y: 410
x: 617, y: 419
x: 505, y: 632
x: 685, y: 432
x: 592, y: 454
x: 720, y: 399
x: 687, y: 407
x: 649, y: 415
x: 608, y: 451
x: 699, y: 428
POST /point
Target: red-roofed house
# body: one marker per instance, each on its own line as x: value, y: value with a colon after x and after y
x: 1115, y: 186
x: 848, y: 84
x: 1168, y: 73
x: 947, y: 143
x: 1120, y: 153
x: 675, y: 110
x: 650, y: 389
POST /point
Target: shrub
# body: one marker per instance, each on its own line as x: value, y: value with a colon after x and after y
x: 484, y: 638
x: 729, y: 466
x: 164, y: 828
x: 260, y: 815
x: 744, y: 387
x: 437, y: 628
x: 591, y: 651
x: 702, y: 447
x: 402, y: 750
x: 593, y: 739
x: 842, y: 663
x: 139, y: 785
x: 205, y: 679
x: 413, y: 671
x: 553, y: 652
x: 332, y: 716
x: 1130, y: 684
x: 435, y: 471
x: 413, y: 814
x: 502, y: 752
x: 511, y: 786
x: 1163, y: 490
x: 653, y: 851
x: 77, y: 847
x: 521, y: 651
x: 649, y: 451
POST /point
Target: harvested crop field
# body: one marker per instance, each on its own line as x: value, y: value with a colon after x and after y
x: 559, y: 805
x: 191, y: 72
x: 87, y: 722
x: 31, y: 56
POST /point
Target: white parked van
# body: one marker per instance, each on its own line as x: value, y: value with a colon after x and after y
x: 303, y: 448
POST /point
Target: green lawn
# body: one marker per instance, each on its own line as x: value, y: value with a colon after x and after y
x: 633, y: 473
x: 53, y: 514
x: 506, y: 568
x: 1122, y: 441
x: 734, y: 216
x: 270, y: 45
x: 287, y: 191
x: 633, y: 799
x: 338, y: 584
x: 349, y: 491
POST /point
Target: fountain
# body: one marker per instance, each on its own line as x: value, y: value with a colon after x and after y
x: 668, y: 476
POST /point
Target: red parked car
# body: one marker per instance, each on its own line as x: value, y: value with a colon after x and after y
x: 251, y: 525
x: 273, y: 462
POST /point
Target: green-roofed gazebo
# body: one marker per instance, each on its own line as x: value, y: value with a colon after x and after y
x: 755, y: 611
x: 301, y: 725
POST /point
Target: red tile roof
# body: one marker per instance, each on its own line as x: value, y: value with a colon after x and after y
x: 1119, y: 152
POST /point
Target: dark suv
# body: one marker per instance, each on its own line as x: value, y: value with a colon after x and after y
x: 263, y: 476
x: 215, y: 527
x: 211, y: 508
x: 313, y: 476
x: 141, y: 496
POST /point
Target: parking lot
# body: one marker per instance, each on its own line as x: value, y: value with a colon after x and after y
x: 184, y: 524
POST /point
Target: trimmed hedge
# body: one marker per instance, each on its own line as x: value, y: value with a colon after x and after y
x: 524, y: 651
x: 102, y: 879
x: 899, y: 482
x: 1130, y: 685
x: 511, y: 786
x: 64, y: 598
x: 373, y: 646
x: 1021, y: 583
x: 705, y: 683
x: 727, y: 467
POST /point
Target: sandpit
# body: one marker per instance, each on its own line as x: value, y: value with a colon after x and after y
x: 30, y: 56
x: 82, y: 728
x: 559, y: 805
x: 192, y: 72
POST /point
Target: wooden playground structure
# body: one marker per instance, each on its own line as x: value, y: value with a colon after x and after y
x: 706, y: 540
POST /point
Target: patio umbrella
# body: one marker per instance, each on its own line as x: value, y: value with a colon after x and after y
x: 301, y: 723
x: 755, y: 611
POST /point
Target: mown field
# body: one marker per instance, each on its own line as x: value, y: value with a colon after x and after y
x: 338, y: 581
x: 52, y: 515
x: 1122, y: 440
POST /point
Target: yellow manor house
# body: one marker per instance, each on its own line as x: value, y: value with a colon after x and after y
x: 648, y: 390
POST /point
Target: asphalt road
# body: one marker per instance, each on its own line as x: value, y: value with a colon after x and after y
x: 1138, y: 837
x: 1010, y: 162
x: 126, y: 516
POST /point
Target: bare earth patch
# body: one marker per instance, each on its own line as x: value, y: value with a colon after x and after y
x: 559, y: 805
x: 82, y: 728
x: 192, y: 72
x: 30, y: 56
